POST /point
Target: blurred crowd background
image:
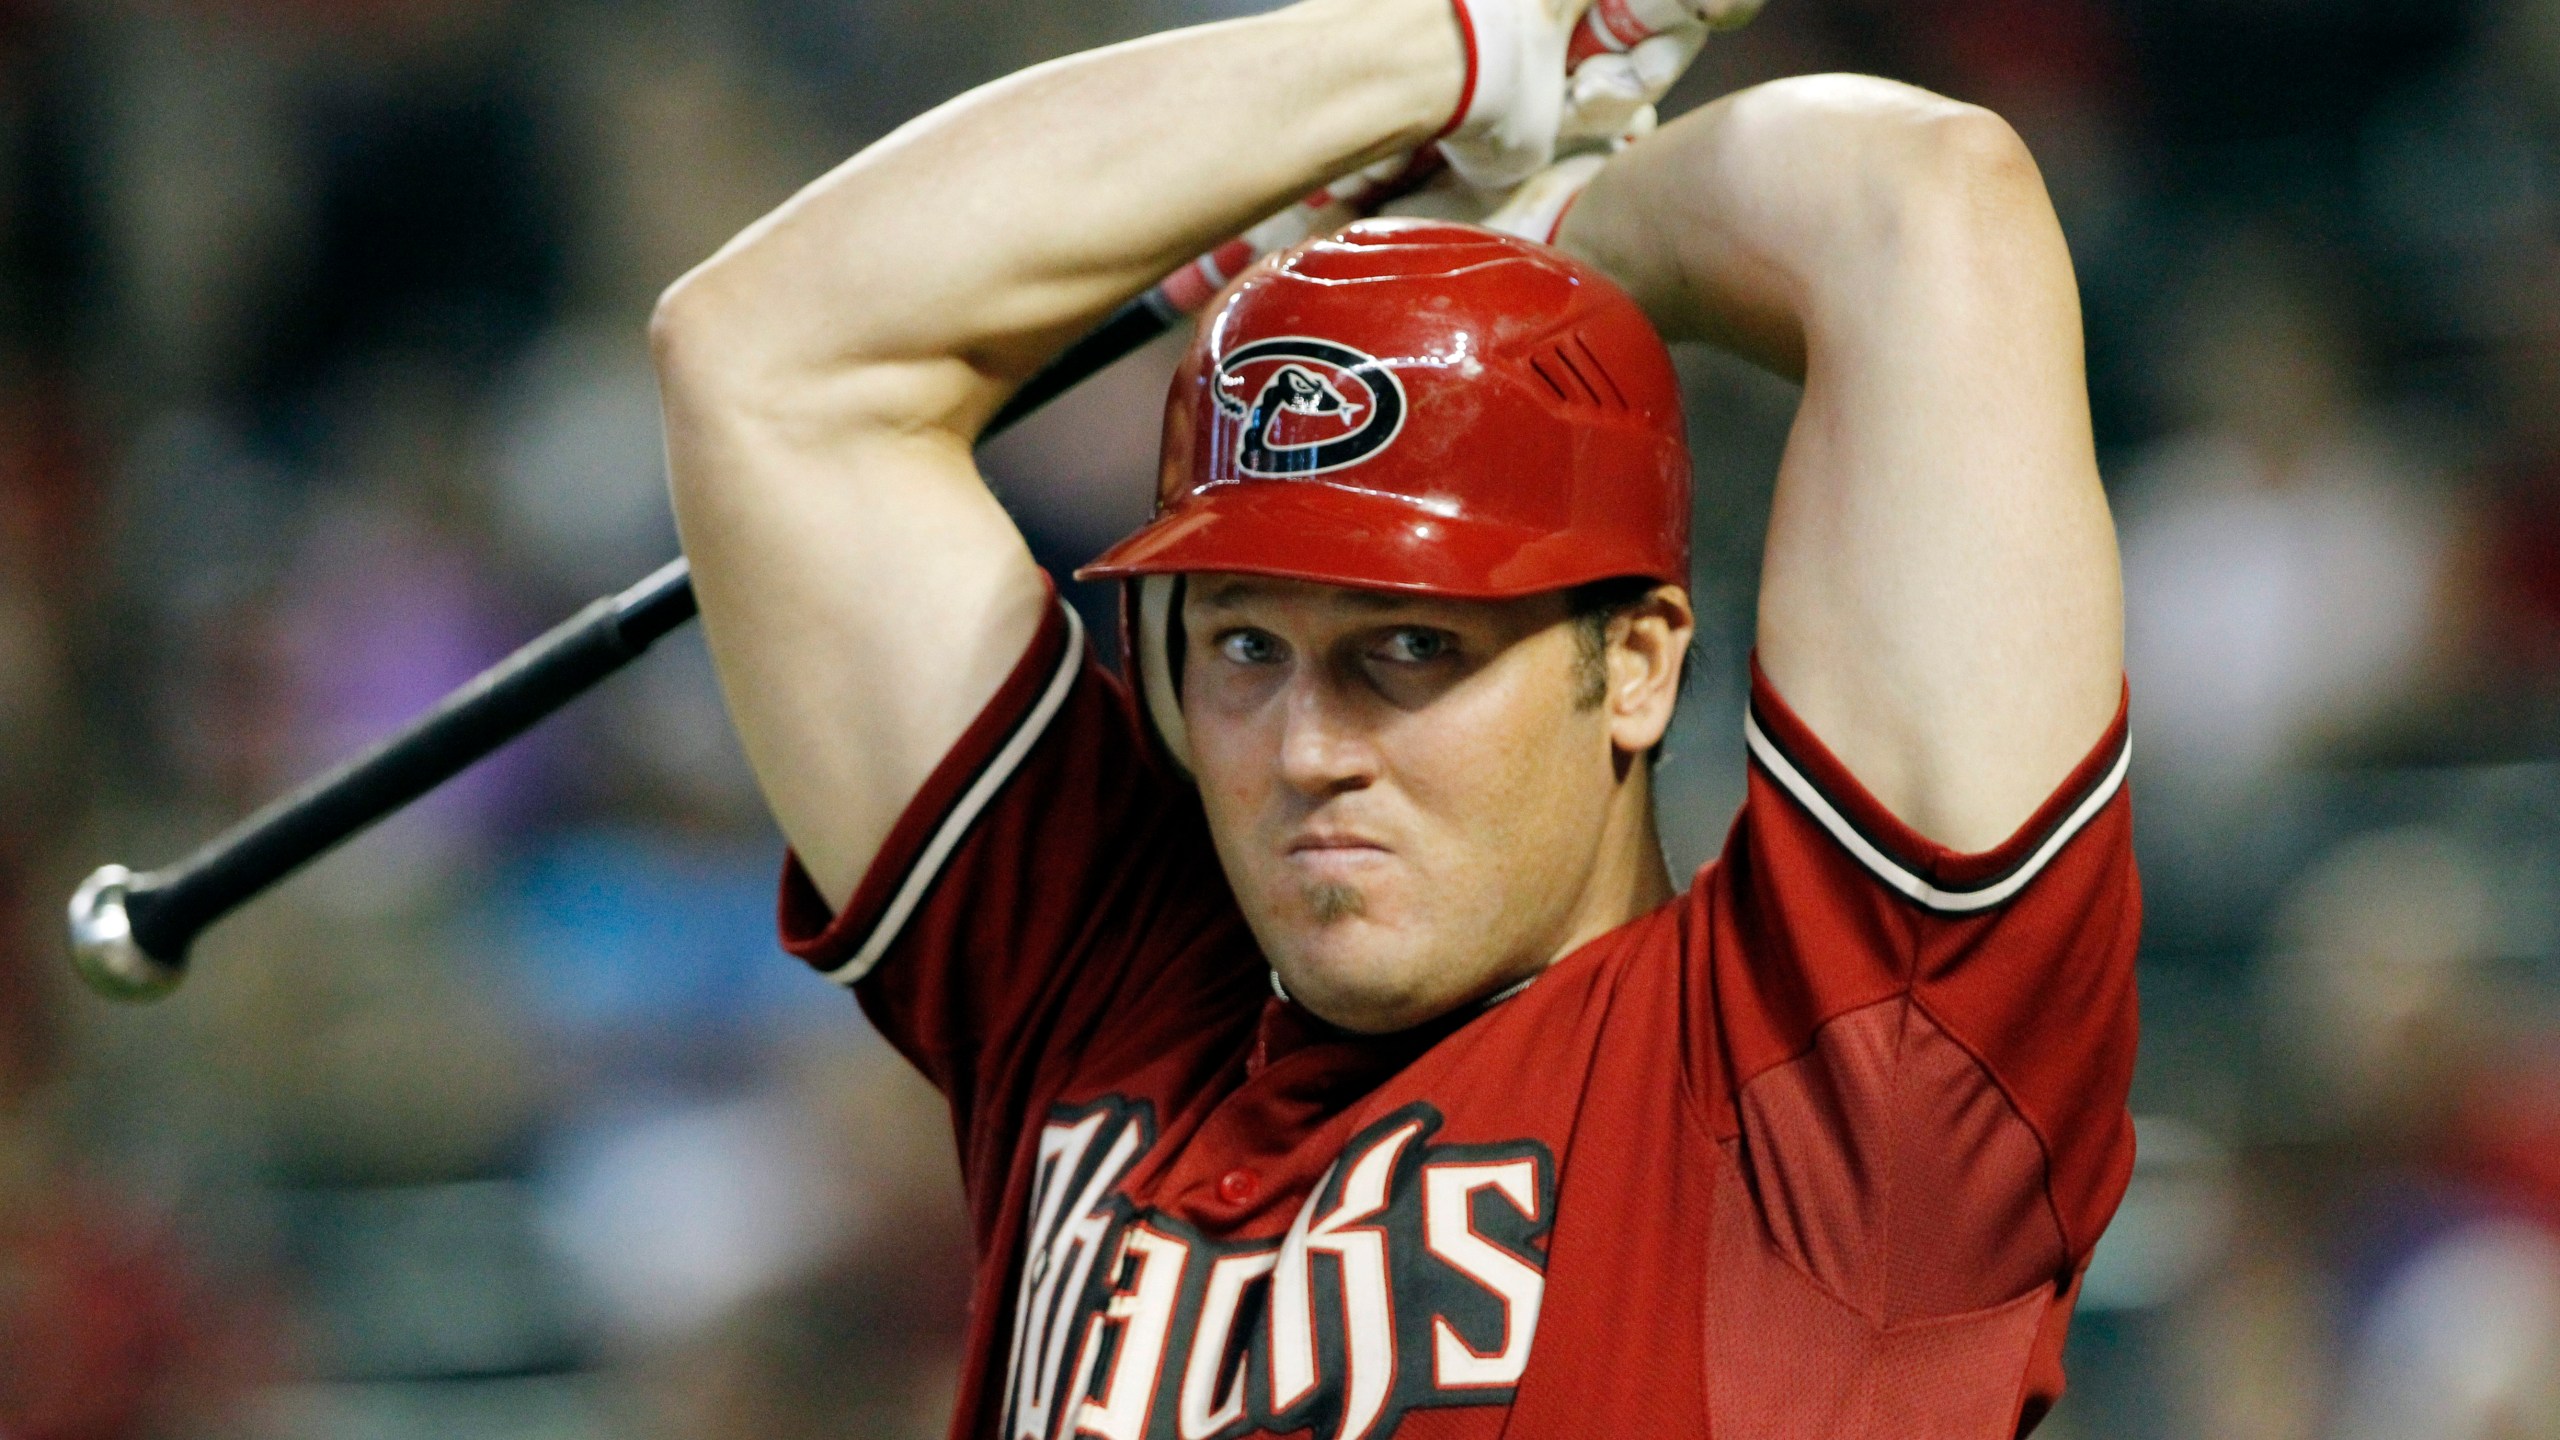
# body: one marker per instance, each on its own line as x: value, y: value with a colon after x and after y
x: 323, y: 383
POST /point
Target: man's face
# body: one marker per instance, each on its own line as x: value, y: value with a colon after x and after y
x: 1410, y: 795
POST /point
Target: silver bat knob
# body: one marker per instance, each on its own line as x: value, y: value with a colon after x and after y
x: 102, y: 943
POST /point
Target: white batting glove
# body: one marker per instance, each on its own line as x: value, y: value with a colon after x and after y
x: 1627, y: 54
x: 1605, y: 93
x: 1513, y: 103
x: 1544, y: 71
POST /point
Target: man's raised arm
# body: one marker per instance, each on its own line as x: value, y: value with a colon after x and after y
x: 1939, y: 600
x: 825, y: 375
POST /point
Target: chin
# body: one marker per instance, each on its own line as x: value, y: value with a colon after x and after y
x: 1368, y: 1015
x: 1354, y: 975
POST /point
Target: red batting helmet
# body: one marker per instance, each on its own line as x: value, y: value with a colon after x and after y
x: 1415, y: 405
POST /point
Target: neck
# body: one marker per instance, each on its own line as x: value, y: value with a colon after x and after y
x: 1631, y: 876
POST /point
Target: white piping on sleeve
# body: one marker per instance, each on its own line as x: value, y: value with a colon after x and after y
x: 946, y: 838
x: 1891, y: 872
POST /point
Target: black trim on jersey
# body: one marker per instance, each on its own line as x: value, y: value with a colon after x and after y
x: 972, y: 802
x: 1879, y: 855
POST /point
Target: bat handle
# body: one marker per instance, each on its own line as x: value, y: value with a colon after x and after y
x: 104, y: 945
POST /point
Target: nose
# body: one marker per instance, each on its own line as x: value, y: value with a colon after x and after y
x: 1325, y: 747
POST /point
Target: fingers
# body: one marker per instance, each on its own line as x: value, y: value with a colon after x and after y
x: 1604, y: 95
x: 1545, y: 74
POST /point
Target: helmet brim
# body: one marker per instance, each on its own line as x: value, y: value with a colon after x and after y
x: 1333, y: 535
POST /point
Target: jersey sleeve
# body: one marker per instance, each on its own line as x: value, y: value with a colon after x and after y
x: 1051, y: 874
x: 1921, y: 1067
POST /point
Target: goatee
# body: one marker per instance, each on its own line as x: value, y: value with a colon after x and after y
x: 1333, y: 901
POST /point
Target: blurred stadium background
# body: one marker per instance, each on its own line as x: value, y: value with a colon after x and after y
x: 323, y: 382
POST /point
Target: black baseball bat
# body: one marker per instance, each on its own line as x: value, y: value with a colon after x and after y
x: 130, y: 933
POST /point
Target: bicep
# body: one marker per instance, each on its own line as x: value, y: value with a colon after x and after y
x: 864, y: 596
x: 1939, y: 593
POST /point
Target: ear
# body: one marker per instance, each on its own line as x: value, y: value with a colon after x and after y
x: 1648, y: 645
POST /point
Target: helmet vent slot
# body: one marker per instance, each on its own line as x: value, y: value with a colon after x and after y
x: 1544, y: 368
x: 1583, y: 392
x: 1575, y: 374
x: 1591, y: 368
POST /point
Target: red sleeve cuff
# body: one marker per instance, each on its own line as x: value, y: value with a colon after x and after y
x: 1927, y: 873
x: 846, y: 944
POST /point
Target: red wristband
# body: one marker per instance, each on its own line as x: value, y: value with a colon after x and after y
x: 1466, y: 90
x: 1569, y: 202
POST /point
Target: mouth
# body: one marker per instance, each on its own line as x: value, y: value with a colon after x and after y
x: 1334, y: 855
x: 1334, y: 842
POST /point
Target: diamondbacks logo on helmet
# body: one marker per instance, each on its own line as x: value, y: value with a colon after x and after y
x: 1307, y: 406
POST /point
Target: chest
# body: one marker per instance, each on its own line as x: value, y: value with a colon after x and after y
x: 1349, y: 1244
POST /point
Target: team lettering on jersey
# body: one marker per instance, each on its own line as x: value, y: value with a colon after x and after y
x: 1411, y: 1277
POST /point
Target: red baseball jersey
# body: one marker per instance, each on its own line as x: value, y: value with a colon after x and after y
x: 1817, y: 1149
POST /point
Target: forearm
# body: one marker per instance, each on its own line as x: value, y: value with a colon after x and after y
x: 974, y: 241
x: 825, y: 375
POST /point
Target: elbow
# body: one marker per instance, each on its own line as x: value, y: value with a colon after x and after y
x: 697, y: 332
x: 738, y: 357
x: 673, y: 323
x: 728, y: 330
x: 1881, y: 169
x: 1964, y: 170
x: 724, y: 387
x: 1971, y: 237
x: 1951, y: 188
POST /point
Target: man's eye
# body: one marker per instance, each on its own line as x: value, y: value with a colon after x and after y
x: 1249, y: 647
x: 1415, y: 647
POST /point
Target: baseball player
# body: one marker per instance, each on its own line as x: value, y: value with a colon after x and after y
x: 1330, y: 1052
